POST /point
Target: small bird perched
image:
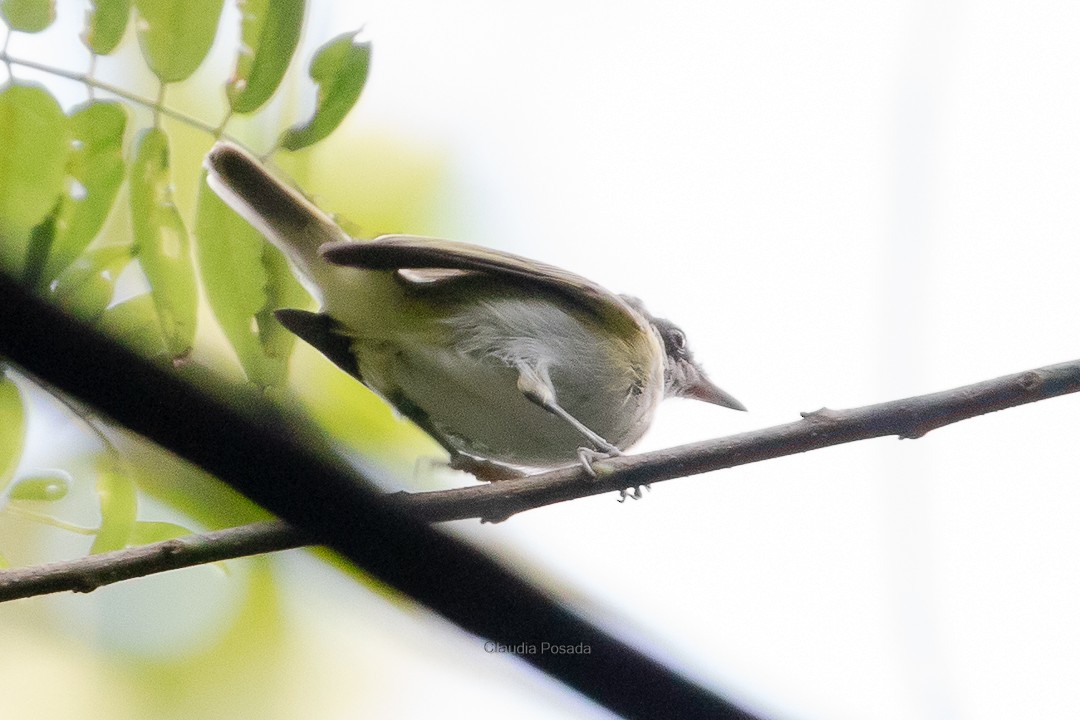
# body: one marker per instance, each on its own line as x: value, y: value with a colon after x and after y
x: 505, y: 362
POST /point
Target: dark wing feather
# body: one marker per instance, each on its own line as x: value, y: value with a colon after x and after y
x: 323, y: 333
x: 327, y: 336
x: 425, y: 262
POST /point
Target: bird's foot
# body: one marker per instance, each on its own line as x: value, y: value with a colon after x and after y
x: 588, y: 456
x: 634, y: 493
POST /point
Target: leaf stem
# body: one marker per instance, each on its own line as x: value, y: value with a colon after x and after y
x: 156, y: 105
x: 48, y: 520
x: 159, y: 104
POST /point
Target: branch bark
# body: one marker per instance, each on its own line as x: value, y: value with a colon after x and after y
x: 907, y: 418
x: 250, y: 443
x: 87, y: 574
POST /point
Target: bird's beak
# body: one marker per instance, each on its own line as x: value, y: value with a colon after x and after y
x: 699, y: 387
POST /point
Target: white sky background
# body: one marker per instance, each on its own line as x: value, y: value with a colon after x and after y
x: 842, y: 203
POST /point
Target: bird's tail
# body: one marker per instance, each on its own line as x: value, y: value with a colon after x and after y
x: 287, y: 219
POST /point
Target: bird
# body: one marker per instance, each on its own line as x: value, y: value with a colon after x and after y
x: 510, y: 364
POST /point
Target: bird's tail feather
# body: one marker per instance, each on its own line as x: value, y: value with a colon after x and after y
x: 288, y: 219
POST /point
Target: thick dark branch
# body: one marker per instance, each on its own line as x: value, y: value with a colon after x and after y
x: 909, y: 418
x: 249, y: 443
x: 89, y: 573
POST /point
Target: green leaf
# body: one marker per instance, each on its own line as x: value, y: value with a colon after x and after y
x: 340, y: 69
x: 47, y: 486
x: 106, y: 21
x: 229, y: 252
x: 38, y: 247
x: 87, y: 286
x: 33, y: 155
x: 28, y: 15
x: 283, y: 290
x: 269, y: 30
x: 134, y: 322
x: 161, y: 242
x: 12, y: 428
x: 176, y: 35
x: 96, y: 170
x: 147, y: 532
x: 119, y: 505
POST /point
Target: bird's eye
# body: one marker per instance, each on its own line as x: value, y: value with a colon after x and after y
x: 677, y: 339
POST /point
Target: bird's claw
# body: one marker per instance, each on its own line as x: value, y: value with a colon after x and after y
x: 634, y: 493
x: 587, y: 456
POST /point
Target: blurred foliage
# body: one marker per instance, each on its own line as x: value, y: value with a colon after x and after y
x: 28, y: 15
x: 89, y: 212
x: 106, y: 21
x: 245, y: 309
x: 32, y: 167
x: 340, y: 68
x: 12, y: 428
x: 43, y: 487
x: 273, y: 28
x: 161, y: 242
x: 62, y: 172
x: 176, y: 35
x: 105, y: 210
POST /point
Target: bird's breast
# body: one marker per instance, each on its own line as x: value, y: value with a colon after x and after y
x: 462, y: 373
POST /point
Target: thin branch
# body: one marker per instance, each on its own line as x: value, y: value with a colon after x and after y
x: 254, y: 446
x: 158, y: 105
x: 89, y: 573
x: 908, y: 418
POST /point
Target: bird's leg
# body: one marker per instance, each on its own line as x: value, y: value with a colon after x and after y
x: 587, y: 456
x: 536, y: 387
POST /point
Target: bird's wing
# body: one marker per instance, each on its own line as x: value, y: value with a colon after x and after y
x: 324, y: 334
x: 331, y: 339
x: 431, y: 262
